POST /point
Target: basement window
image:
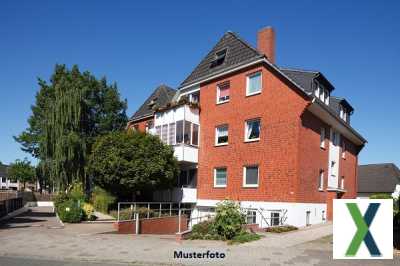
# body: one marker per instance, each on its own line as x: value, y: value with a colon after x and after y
x: 219, y: 58
x: 275, y: 218
x: 251, y: 217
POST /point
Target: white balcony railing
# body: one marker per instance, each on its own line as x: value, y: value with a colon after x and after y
x: 186, y: 153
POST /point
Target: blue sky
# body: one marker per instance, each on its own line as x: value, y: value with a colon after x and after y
x: 141, y: 44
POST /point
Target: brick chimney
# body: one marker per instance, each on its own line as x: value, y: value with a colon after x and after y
x: 266, y: 43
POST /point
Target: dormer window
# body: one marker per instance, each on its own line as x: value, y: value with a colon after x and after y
x: 322, y: 93
x: 219, y: 58
x: 152, y: 102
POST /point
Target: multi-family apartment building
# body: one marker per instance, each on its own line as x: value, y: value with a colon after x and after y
x: 274, y: 139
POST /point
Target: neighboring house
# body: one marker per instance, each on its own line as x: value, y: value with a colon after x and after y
x: 5, y: 182
x: 272, y: 138
x: 377, y: 178
x: 143, y: 118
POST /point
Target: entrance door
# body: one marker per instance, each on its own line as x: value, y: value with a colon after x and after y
x: 308, y: 218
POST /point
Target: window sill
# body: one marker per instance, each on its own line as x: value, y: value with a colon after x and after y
x: 252, y: 94
x: 250, y: 186
x: 219, y: 186
x: 321, y: 190
x: 218, y: 103
x: 221, y: 144
x: 251, y: 140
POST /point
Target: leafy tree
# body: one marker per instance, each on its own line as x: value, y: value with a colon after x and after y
x: 22, y: 171
x: 70, y: 111
x: 122, y: 162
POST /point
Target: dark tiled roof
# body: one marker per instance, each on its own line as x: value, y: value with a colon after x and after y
x: 238, y: 52
x: 378, y: 178
x: 3, y: 170
x: 160, y: 97
x: 304, y: 78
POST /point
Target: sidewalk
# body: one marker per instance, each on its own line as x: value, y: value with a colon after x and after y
x: 293, y: 238
x: 33, y: 217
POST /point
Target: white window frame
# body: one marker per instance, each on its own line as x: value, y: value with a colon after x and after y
x: 321, y: 180
x: 327, y: 97
x: 218, y: 93
x: 251, y: 214
x: 246, y: 139
x: 244, y: 176
x: 343, y: 149
x: 248, y: 83
x: 215, y: 177
x: 191, y: 134
x: 274, y: 218
x: 342, y: 182
x: 322, y: 138
x: 216, y: 135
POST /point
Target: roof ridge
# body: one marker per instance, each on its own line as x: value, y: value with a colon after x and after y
x: 244, y: 42
x: 300, y: 70
x: 369, y: 164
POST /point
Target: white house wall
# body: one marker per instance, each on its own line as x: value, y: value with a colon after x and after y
x: 296, y: 212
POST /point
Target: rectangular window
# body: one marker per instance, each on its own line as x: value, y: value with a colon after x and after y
x: 252, y: 130
x: 343, y: 150
x: 321, y: 180
x: 275, y: 219
x: 321, y: 93
x: 221, y: 135
x: 253, y: 84
x: 183, y: 178
x: 158, y: 131
x: 195, y: 134
x: 179, y: 131
x: 223, y: 92
x: 149, y: 126
x: 192, y: 178
x: 164, y: 133
x: 188, y: 133
x: 194, y: 97
x: 171, y: 135
x: 326, y: 97
x: 322, y: 138
x: 251, y: 217
x: 220, y: 178
x: 250, y: 176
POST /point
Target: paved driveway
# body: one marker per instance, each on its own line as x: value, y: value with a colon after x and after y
x: 37, y: 235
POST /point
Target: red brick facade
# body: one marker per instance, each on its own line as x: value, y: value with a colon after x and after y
x: 140, y: 125
x: 162, y: 225
x: 288, y: 152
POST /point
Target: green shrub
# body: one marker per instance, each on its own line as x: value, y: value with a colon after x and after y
x: 204, y: 230
x: 229, y: 220
x: 102, y: 199
x: 244, y: 237
x: 380, y: 196
x: 60, y: 198
x: 70, y: 212
x: 281, y: 229
x: 88, y: 212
